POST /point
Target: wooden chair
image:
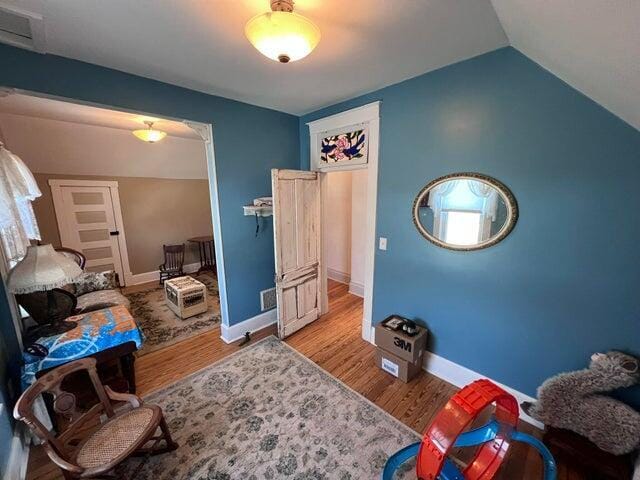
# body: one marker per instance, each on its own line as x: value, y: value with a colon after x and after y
x: 173, y: 262
x: 82, y: 452
x: 74, y: 255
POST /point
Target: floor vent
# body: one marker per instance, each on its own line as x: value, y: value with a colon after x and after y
x: 21, y: 28
x: 268, y: 299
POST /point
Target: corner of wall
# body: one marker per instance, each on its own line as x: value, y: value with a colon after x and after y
x: 303, y: 144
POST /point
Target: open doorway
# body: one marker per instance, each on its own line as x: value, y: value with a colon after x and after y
x: 345, y: 228
x: 356, y: 133
x: 324, y: 220
x: 118, y: 201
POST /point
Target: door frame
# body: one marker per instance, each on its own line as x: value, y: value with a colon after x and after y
x: 368, y: 116
x: 205, y: 130
x: 56, y: 185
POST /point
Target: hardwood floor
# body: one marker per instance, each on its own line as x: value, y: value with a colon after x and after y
x: 334, y: 343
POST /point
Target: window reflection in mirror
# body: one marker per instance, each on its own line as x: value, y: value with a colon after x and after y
x: 465, y: 212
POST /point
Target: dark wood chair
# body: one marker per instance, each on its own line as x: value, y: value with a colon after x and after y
x: 91, y: 446
x: 74, y: 255
x: 173, y: 262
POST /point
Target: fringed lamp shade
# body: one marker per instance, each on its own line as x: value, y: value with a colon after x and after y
x: 42, y: 268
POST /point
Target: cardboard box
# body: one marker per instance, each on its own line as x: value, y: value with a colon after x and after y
x: 402, y: 345
x: 396, y: 366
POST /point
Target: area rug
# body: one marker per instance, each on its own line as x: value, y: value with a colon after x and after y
x: 267, y: 412
x: 161, y: 327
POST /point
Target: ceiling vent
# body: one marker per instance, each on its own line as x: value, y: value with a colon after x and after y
x: 22, y: 29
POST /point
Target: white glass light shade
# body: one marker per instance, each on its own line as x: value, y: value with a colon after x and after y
x: 282, y: 36
x: 150, y: 135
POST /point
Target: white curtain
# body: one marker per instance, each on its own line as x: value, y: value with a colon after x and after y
x: 489, y: 196
x: 18, y: 189
x: 18, y: 226
x: 437, y: 194
x: 436, y: 203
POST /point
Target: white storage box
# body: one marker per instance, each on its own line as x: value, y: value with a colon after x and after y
x: 185, y: 296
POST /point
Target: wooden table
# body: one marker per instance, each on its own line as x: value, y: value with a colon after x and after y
x: 123, y: 354
x: 106, y: 335
x: 207, y: 253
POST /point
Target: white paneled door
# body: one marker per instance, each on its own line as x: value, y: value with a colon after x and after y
x: 296, y: 219
x: 88, y: 222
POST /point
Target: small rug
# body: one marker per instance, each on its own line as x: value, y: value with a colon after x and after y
x: 267, y: 412
x: 162, y: 327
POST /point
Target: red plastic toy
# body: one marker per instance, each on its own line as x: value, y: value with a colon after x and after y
x: 455, y: 417
x: 448, y: 430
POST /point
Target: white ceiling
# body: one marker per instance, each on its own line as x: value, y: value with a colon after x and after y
x: 19, y: 104
x: 200, y: 44
x: 66, y: 148
x: 593, y: 45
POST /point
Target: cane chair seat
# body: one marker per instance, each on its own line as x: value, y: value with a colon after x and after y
x: 92, y: 442
x: 117, y: 436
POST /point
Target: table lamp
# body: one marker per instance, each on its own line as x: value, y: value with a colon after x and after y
x: 36, y: 277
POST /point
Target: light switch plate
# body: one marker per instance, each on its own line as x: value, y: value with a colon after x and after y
x: 382, y: 245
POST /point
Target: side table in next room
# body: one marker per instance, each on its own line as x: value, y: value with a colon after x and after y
x: 207, y: 253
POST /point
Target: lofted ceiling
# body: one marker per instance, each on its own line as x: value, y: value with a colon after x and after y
x: 594, y: 45
x: 30, y: 106
x: 200, y: 44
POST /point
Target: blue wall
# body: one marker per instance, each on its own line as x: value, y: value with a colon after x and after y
x: 249, y: 141
x: 9, y: 366
x: 562, y: 285
x: 566, y: 282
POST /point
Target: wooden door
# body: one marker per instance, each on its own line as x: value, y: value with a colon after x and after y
x: 296, y: 230
x: 86, y: 220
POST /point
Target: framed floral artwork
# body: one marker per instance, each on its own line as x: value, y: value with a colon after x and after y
x: 344, y: 147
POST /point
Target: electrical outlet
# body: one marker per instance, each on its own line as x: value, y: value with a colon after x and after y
x: 382, y: 243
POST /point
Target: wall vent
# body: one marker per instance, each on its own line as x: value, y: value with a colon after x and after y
x: 268, y: 299
x: 22, y: 29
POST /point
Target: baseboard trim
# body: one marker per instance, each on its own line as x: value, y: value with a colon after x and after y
x: 356, y: 289
x: 460, y: 376
x: 155, y: 275
x: 338, y: 276
x: 235, y: 332
x: 18, y: 457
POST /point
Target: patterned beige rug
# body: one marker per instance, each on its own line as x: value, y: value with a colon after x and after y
x: 267, y: 412
x: 162, y: 327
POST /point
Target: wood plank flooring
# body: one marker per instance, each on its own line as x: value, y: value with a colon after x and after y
x: 334, y: 343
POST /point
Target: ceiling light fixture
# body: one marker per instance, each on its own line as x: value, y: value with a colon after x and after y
x: 282, y: 35
x: 149, y: 135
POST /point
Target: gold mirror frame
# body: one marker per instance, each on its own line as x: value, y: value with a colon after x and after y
x: 505, y: 193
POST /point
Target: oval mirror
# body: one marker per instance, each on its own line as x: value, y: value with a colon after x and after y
x: 465, y: 211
